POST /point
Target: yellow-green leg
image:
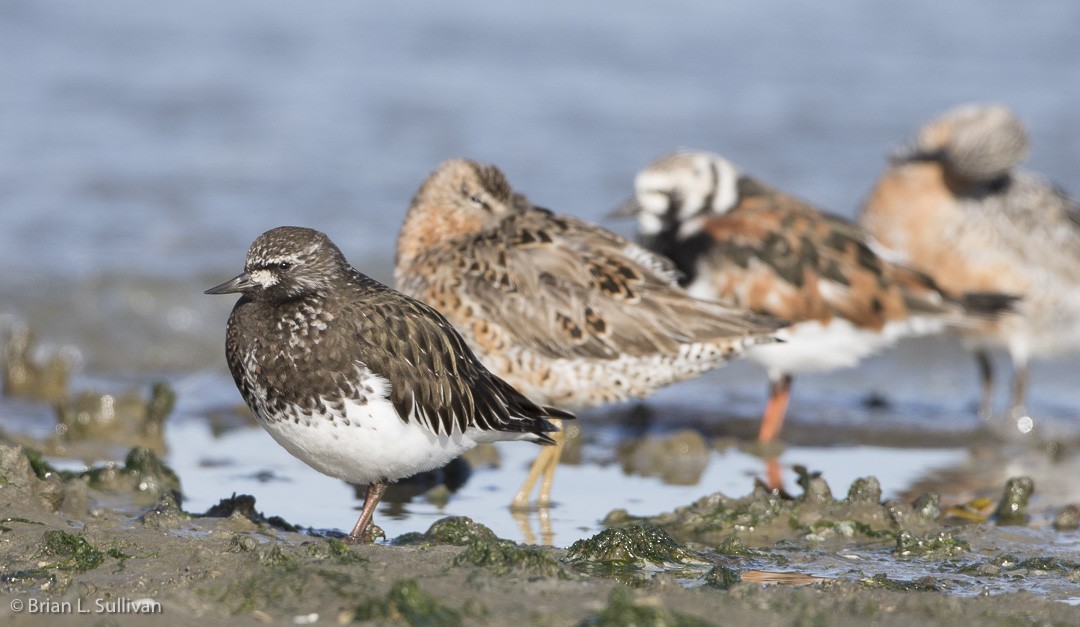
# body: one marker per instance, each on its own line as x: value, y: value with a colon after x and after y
x: 544, y: 465
x: 543, y: 499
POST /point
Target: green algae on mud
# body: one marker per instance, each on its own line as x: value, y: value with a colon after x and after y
x: 453, y: 530
x: 406, y: 602
x: 457, y: 572
x: 625, y: 550
x: 622, y: 609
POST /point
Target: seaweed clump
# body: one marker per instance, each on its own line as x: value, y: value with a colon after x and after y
x: 628, y: 550
x: 452, y: 530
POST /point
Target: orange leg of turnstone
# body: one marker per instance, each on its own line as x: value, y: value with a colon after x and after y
x: 775, y: 409
x: 545, y: 465
x: 361, y: 532
x: 773, y: 478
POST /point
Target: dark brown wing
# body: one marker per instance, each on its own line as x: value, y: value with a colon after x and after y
x: 435, y: 378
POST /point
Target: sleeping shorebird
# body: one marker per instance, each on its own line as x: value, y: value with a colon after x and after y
x: 569, y: 313
x: 955, y: 205
x: 359, y: 381
x: 741, y: 242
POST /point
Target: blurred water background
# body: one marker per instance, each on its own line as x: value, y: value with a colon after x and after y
x: 143, y: 146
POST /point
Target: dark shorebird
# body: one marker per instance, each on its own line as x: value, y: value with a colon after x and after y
x: 359, y: 381
x: 740, y: 241
x: 957, y: 205
x: 571, y: 314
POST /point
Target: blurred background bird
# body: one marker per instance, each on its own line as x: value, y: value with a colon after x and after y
x: 956, y: 204
x: 744, y: 243
x: 569, y: 313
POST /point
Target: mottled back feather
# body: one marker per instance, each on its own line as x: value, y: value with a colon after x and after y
x: 566, y: 289
x: 305, y: 351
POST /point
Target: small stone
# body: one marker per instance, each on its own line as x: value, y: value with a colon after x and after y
x: 928, y: 505
x: 864, y: 490
x: 1012, y: 510
x: 722, y: 577
x: 1068, y: 519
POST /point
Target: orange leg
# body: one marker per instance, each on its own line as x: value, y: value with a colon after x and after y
x: 775, y: 409
x: 773, y: 478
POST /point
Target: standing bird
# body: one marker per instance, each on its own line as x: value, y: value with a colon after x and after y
x: 569, y: 313
x: 357, y: 380
x: 955, y: 205
x: 742, y: 242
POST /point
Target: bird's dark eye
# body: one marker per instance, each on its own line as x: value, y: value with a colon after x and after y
x: 475, y: 199
x: 284, y: 265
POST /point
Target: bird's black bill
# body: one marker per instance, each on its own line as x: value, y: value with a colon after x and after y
x: 241, y: 283
x: 628, y: 209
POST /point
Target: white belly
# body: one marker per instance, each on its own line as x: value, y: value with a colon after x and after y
x: 813, y: 347
x: 375, y: 445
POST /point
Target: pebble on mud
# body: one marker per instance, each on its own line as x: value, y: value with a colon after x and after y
x: 1012, y: 510
x: 21, y: 477
x: 243, y: 506
x: 1068, y: 519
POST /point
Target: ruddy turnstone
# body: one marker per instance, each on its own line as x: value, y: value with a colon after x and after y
x: 955, y: 205
x: 359, y: 381
x: 739, y: 241
x: 568, y: 312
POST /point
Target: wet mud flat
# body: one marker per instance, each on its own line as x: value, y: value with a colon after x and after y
x: 114, y: 541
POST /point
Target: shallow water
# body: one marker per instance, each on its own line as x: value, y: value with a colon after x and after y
x: 247, y: 462
x: 144, y: 147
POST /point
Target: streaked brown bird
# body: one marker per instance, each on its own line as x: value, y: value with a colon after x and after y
x: 568, y: 312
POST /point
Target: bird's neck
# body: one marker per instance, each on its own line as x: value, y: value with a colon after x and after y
x: 427, y: 226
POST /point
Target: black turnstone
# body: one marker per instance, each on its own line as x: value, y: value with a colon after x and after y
x: 359, y: 381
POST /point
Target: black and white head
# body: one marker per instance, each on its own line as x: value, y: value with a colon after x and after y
x: 675, y: 193
x: 287, y: 263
